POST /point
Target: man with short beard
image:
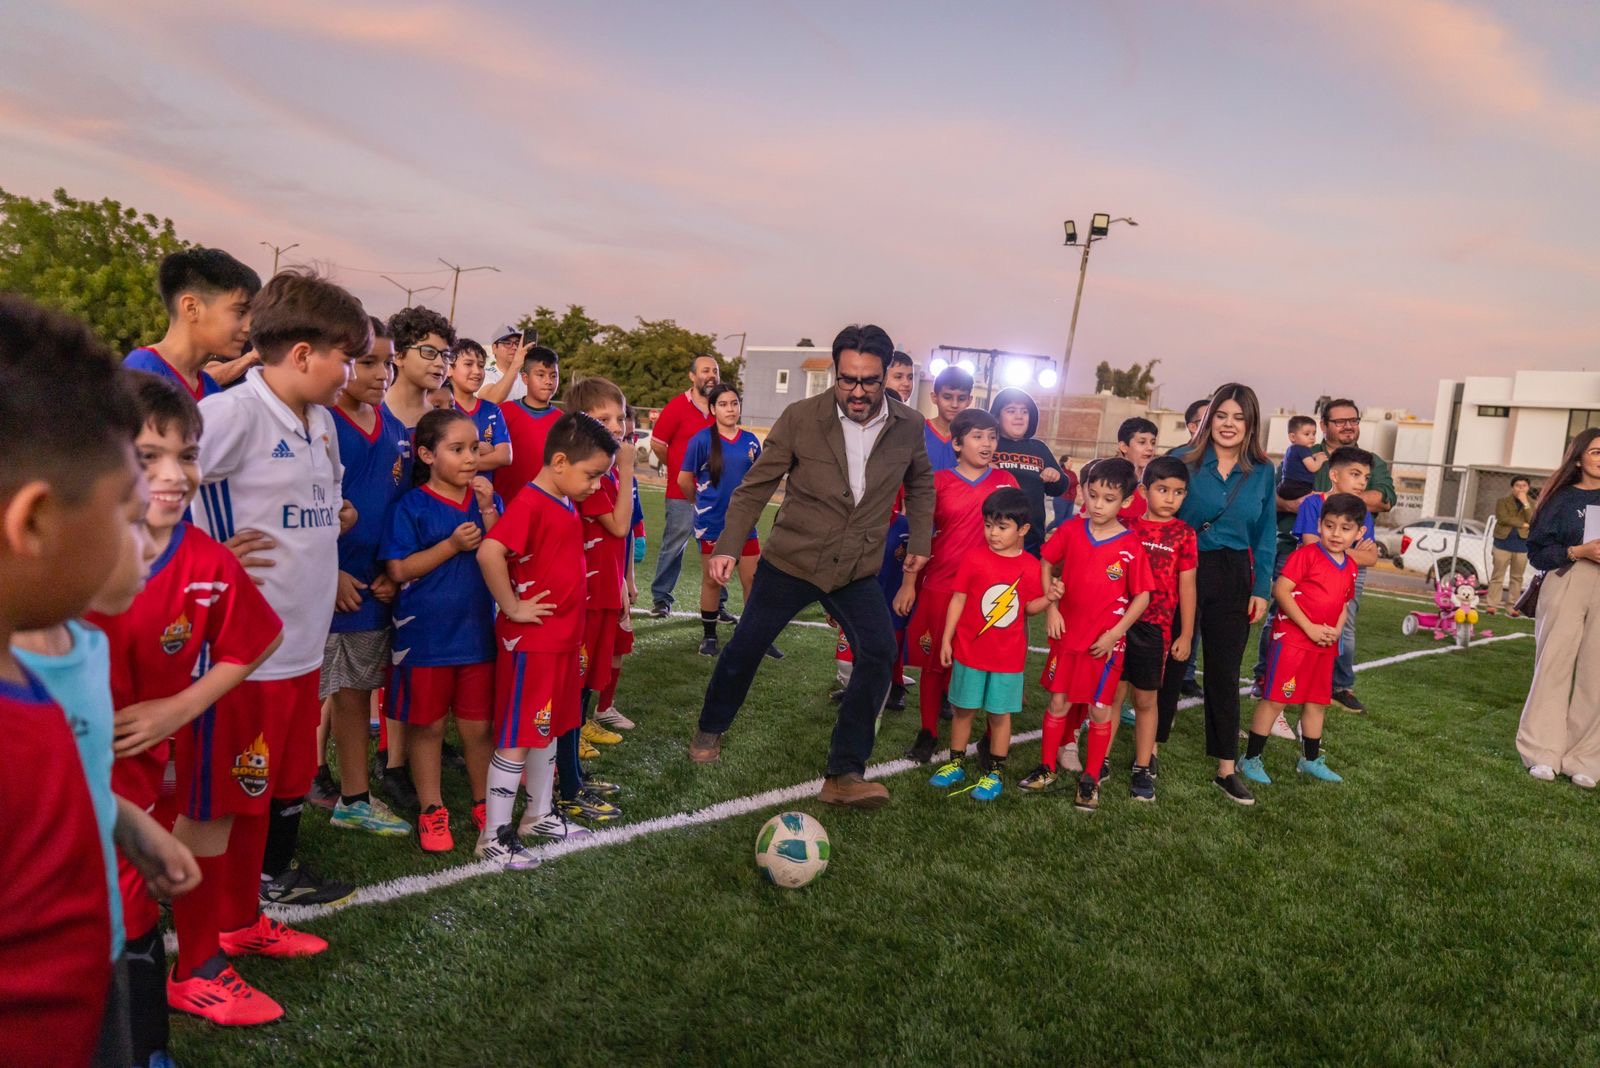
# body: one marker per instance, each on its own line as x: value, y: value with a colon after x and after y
x: 684, y: 416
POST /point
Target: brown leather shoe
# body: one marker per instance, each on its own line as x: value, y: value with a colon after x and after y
x: 852, y: 791
x: 705, y: 748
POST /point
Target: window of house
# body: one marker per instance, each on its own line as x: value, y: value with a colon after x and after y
x: 816, y: 382
x: 783, y: 380
x: 1493, y: 411
x: 1579, y: 421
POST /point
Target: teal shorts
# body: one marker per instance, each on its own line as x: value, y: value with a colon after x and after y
x: 996, y: 692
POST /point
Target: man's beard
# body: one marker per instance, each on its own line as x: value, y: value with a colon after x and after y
x: 872, y: 411
x: 705, y: 391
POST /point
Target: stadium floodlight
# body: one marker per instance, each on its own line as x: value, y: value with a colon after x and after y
x: 1047, y: 377
x: 966, y: 364
x: 1072, y: 232
x: 1017, y: 372
x: 938, y: 366
x: 1100, y: 224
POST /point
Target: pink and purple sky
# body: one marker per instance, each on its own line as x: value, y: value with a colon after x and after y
x: 1346, y: 195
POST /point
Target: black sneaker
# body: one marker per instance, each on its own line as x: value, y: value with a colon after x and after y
x: 1041, y: 780
x: 922, y: 749
x: 985, y: 757
x: 1142, y: 785
x: 1191, y: 688
x: 660, y: 610
x: 302, y: 886
x: 1155, y: 766
x: 600, y: 787
x: 836, y: 695
x: 1234, y: 788
x: 324, y: 792
x: 944, y: 710
x: 774, y: 653
x: 725, y: 616
x: 450, y: 757
x: 897, y: 698
x: 1088, y: 796
x: 397, y: 786
x: 709, y: 647
x: 1349, y: 700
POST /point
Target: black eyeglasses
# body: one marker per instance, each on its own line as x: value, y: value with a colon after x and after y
x: 1345, y: 422
x: 851, y: 383
x: 431, y: 354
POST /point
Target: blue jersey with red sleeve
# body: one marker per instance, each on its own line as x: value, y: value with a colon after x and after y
x: 486, y: 416
x: 941, y: 450
x: 1308, y: 520
x: 148, y: 359
x: 445, y: 617
x: 377, y: 470
x: 711, y: 500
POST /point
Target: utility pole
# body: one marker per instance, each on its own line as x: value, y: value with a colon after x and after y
x: 277, y: 252
x: 741, y: 336
x: 406, y: 290
x: 455, y: 284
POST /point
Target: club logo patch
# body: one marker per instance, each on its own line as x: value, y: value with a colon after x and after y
x: 394, y: 472
x: 541, y: 720
x: 1114, y: 571
x: 842, y: 645
x: 1288, y: 688
x: 176, y: 635
x: 250, y: 767
x: 583, y: 661
x: 925, y: 643
x: 1050, y: 668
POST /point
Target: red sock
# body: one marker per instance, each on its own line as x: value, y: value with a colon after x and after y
x: 241, y: 901
x: 1055, y: 732
x: 383, y: 730
x: 933, y: 682
x: 1099, y: 745
x: 608, y: 696
x: 194, y: 916
x: 1075, y: 717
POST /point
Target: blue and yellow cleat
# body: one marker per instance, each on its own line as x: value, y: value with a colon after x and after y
x: 949, y: 774
x: 1252, y: 769
x: 988, y: 787
x: 1318, y: 769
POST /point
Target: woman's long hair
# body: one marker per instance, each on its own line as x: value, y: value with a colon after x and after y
x: 714, y: 460
x: 1568, y: 473
x: 430, y: 429
x: 1250, y: 451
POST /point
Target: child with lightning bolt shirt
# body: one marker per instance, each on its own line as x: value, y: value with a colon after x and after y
x: 985, y: 637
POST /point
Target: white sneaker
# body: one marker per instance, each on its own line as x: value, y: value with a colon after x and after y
x: 1585, y: 781
x: 1067, y: 758
x: 1281, y: 728
x: 552, y: 826
x: 505, y: 849
x: 615, y: 720
x: 1543, y: 772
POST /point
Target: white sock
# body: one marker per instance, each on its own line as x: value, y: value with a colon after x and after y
x: 504, y: 775
x: 541, y: 782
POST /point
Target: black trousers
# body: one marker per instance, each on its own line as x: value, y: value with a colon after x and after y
x: 1222, y: 607
x: 777, y: 597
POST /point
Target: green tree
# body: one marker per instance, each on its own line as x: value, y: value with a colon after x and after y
x: 1134, y: 382
x: 96, y: 260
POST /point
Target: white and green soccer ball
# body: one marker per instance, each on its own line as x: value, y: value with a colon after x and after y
x: 792, y: 849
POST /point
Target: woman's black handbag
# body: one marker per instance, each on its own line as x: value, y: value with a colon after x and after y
x: 1528, y: 603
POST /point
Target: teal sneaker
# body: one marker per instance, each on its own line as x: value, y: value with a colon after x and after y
x: 949, y: 774
x: 1128, y: 718
x: 374, y: 816
x: 1318, y: 769
x: 988, y: 787
x: 1252, y: 769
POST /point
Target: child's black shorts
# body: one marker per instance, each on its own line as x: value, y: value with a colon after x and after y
x: 1144, y: 656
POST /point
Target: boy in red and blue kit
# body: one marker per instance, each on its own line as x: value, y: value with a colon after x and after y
x: 207, y: 294
x: 1107, y: 577
x: 533, y: 563
x: 528, y: 422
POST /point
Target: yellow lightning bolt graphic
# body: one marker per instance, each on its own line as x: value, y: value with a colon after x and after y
x: 1002, y: 605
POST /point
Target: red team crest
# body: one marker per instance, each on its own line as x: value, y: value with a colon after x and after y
x: 176, y: 634
x: 250, y: 767
x: 583, y: 661
x: 541, y: 719
x: 1114, y: 571
x: 1288, y: 688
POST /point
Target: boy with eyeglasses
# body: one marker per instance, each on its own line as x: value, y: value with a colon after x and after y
x: 423, y: 342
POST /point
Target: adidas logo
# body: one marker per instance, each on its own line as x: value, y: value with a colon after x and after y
x: 281, y: 451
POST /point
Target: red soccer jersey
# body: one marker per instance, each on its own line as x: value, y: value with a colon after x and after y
x: 543, y: 537
x: 958, y: 524
x: 1101, y: 578
x: 1322, y: 587
x: 199, y: 607
x: 679, y: 421
x: 1133, y: 508
x: 1172, y: 549
x: 602, y: 551
x: 527, y: 433
x: 992, y: 632
x: 55, y: 918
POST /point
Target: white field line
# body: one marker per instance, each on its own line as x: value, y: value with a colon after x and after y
x: 793, y: 623
x: 411, y: 885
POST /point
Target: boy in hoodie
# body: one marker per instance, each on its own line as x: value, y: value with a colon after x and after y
x: 1028, y: 459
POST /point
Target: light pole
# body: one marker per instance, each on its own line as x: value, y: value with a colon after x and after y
x: 1099, y: 227
x: 455, y: 284
x: 407, y: 291
x: 724, y: 337
x: 277, y: 251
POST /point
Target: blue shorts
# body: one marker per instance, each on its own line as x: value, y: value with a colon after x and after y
x: 997, y: 692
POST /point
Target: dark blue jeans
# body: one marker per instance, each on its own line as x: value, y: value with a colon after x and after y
x: 776, y: 598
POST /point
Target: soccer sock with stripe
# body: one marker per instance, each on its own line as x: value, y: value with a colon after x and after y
x: 1094, y: 761
x: 283, y: 834
x: 504, y: 775
x: 195, y: 917
x: 1312, y: 747
x: 241, y: 900
x: 1055, y: 732
x: 146, y: 957
x: 567, y: 764
x: 540, y: 779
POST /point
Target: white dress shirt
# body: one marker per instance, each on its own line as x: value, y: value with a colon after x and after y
x: 859, y: 438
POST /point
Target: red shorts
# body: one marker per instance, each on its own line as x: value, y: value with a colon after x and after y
x: 1300, y: 674
x: 752, y: 547
x: 424, y: 695
x: 138, y: 779
x: 599, y: 646
x: 535, y: 698
x: 256, y: 743
x: 1083, y: 679
x: 926, y: 629
x: 624, y: 638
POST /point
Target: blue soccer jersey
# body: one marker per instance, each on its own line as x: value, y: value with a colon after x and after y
x: 377, y: 470
x: 446, y: 617
x: 490, y: 423
x: 1308, y: 520
x: 148, y: 359
x: 941, y: 450
x: 711, y: 501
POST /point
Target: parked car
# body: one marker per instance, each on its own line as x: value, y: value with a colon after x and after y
x: 644, y: 456
x: 1442, y: 544
x: 1389, y: 543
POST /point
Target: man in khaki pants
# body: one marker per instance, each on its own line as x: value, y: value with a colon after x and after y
x: 1512, y: 514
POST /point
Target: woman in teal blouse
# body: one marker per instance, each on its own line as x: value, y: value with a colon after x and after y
x: 1232, y: 505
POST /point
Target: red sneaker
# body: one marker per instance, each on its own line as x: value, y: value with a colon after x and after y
x: 269, y: 938
x: 227, y: 1000
x: 433, y: 831
x: 480, y: 816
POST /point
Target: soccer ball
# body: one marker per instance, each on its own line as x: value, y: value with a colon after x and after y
x: 792, y: 849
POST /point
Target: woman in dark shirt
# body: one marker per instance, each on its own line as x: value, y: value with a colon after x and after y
x: 1232, y: 505
x: 1560, y: 731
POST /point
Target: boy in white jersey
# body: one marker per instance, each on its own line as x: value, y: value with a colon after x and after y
x: 269, y: 461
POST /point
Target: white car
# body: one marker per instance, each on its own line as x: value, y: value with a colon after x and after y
x: 1442, y: 544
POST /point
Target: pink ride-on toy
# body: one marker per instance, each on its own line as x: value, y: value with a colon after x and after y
x: 1456, y: 597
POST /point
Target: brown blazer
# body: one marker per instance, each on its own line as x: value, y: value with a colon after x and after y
x: 821, y: 535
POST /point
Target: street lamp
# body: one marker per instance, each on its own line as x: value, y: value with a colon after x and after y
x: 407, y: 290
x: 1014, y: 369
x: 1099, y: 227
x: 277, y: 251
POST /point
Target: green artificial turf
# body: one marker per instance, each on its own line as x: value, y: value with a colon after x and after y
x: 1433, y: 908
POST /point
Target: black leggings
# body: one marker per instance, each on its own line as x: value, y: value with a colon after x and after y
x: 1222, y: 607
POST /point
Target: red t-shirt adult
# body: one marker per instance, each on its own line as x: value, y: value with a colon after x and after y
x: 602, y: 551
x: 679, y: 421
x: 992, y: 632
x: 1101, y: 578
x: 1322, y: 587
x: 1173, y: 549
x: 543, y: 537
x: 55, y: 912
x: 957, y: 524
x: 527, y: 428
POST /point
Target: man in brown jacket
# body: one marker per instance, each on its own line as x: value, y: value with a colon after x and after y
x: 847, y: 453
